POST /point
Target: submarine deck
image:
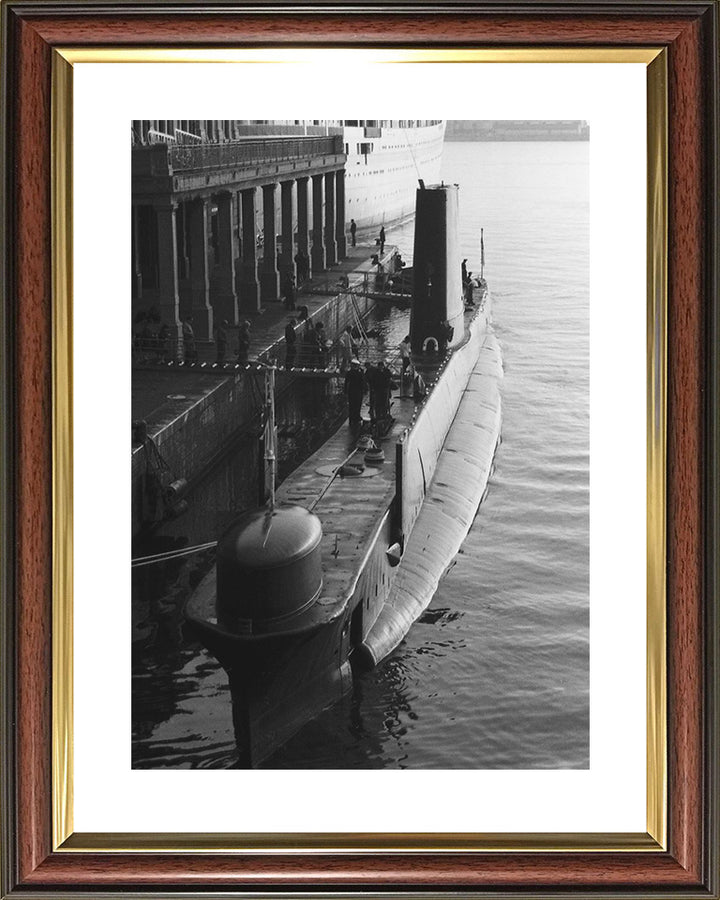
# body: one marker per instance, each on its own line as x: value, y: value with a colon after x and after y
x: 351, y: 509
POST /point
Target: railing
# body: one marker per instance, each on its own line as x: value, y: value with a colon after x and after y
x: 330, y: 361
x: 159, y: 137
x: 187, y: 137
x: 198, y: 157
x: 373, y: 284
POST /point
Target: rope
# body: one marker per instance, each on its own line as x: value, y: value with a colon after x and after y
x: 171, y: 554
x: 330, y: 481
x: 412, y: 152
x: 357, y: 318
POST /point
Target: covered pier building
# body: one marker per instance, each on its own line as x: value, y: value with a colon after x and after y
x: 200, y: 195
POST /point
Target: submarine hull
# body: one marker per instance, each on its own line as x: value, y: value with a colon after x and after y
x: 278, y: 683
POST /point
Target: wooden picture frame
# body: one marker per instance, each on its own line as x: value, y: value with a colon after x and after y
x: 35, y: 569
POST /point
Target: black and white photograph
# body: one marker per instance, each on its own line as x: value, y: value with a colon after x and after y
x: 360, y: 463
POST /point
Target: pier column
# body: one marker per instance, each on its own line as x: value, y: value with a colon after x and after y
x: 302, y: 214
x: 199, y: 276
x: 318, y: 247
x: 168, y: 301
x: 224, y: 298
x: 287, y: 263
x: 250, y: 287
x: 340, y: 238
x: 136, y: 267
x: 269, y: 279
x: 303, y: 241
x: 183, y: 244
x: 330, y: 245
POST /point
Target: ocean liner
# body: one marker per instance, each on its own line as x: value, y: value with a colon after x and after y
x: 329, y: 576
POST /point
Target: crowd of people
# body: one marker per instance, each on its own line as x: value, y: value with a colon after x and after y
x: 374, y: 380
x: 151, y: 337
x: 378, y: 380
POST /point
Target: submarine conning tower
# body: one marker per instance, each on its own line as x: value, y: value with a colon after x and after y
x: 268, y: 570
x: 437, y: 282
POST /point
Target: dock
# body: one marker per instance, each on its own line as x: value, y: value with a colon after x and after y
x: 191, y: 412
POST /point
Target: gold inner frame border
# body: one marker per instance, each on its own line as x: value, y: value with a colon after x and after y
x: 64, y: 837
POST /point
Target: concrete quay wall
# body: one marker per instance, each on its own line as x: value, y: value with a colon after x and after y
x: 191, y: 440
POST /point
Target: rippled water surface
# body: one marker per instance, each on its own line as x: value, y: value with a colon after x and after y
x: 495, y: 674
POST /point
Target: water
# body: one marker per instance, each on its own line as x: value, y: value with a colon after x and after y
x: 495, y: 674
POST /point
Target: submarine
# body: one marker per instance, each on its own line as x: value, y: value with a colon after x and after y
x: 328, y: 577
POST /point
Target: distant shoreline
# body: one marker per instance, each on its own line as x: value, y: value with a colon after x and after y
x: 516, y: 138
x: 514, y: 130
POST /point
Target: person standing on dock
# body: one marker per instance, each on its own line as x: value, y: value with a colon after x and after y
x: 304, y: 270
x: 164, y: 343
x: 190, y: 350
x: 355, y: 390
x: 383, y: 391
x: 309, y: 343
x: 379, y: 276
x: 405, y: 353
x: 353, y: 230
x: 322, y: 351
x: 381, y: 240
x: 347, y: 346
x: 243, y: 352
x: 221, y: 337
x: 290, y: 341
x: 289, y: 291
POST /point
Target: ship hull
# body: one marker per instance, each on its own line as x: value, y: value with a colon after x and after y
x: 279, y: 682
x: 380, y: 185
